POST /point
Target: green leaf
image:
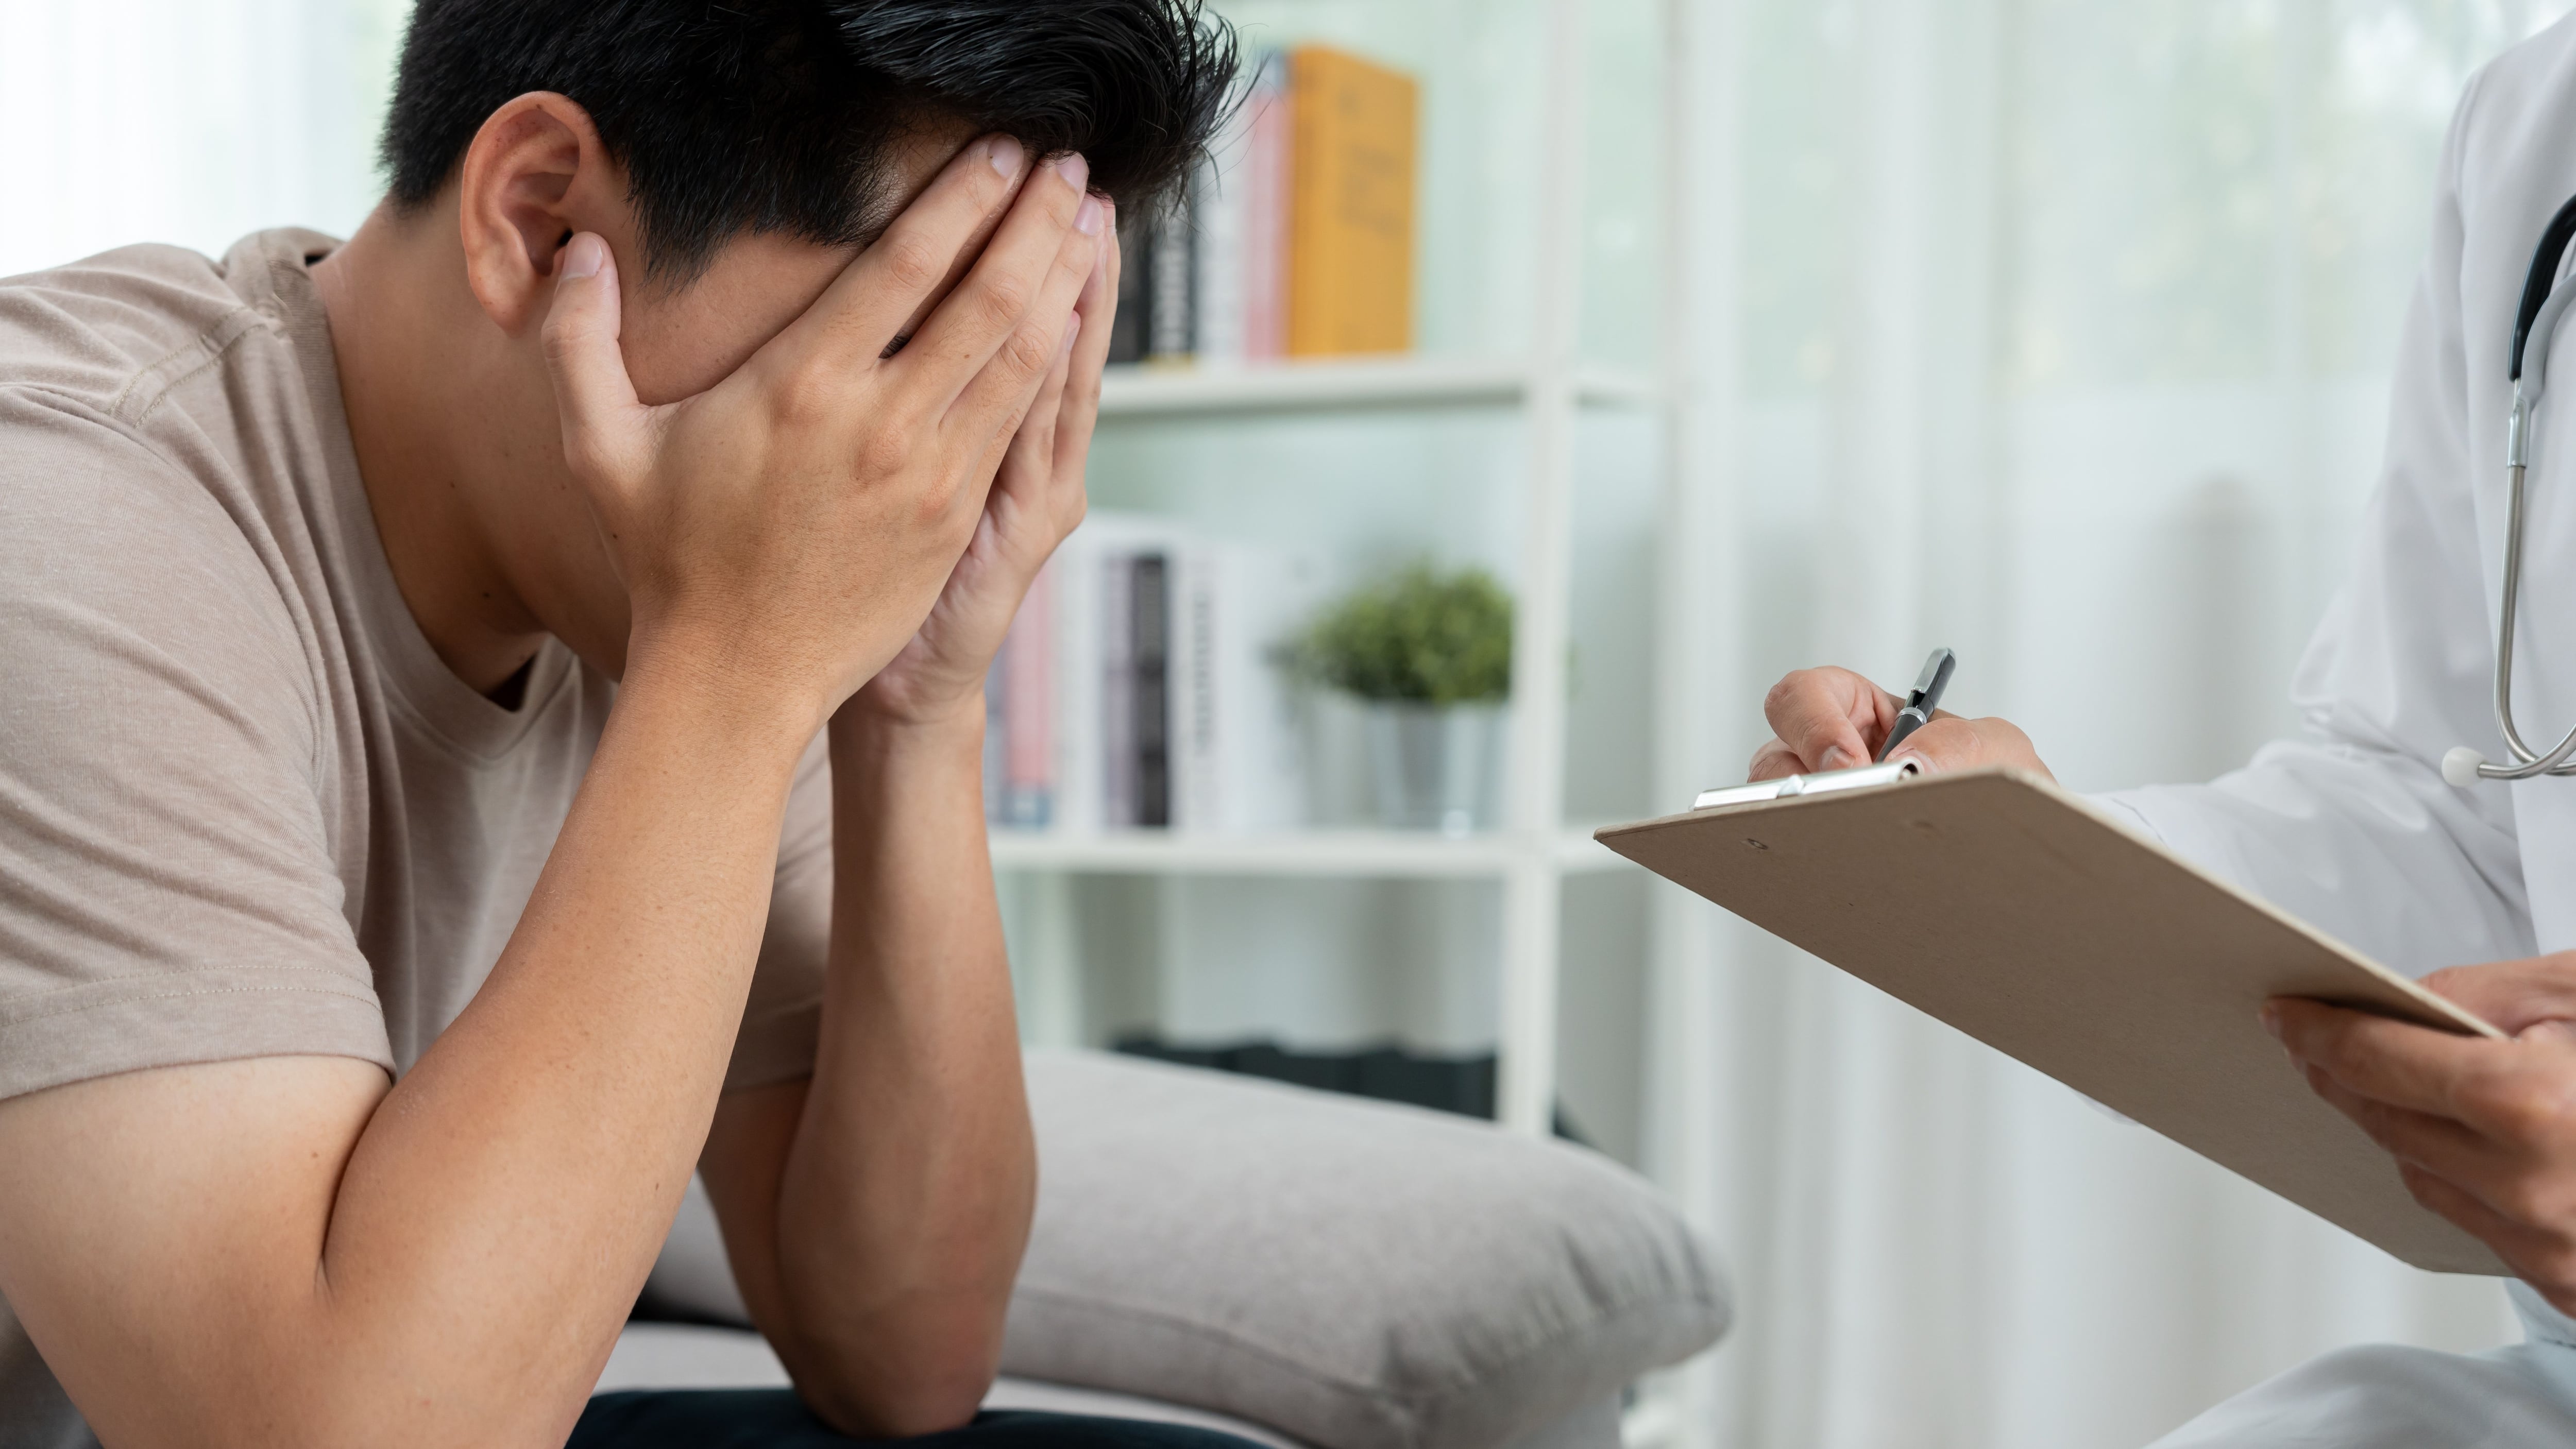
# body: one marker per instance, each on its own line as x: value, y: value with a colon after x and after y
x: 1419, y: 636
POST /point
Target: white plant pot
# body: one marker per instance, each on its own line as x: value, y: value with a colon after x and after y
x: 1434, y: 765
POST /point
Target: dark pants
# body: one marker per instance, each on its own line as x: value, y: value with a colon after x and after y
x: 774, y: 1419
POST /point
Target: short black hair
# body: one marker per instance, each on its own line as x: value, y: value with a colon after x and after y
x: 779, y: 115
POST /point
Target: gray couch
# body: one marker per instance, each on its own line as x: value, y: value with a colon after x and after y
x: 1301, y: 1269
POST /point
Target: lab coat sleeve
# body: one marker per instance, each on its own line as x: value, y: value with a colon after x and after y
x: 2350, y: 826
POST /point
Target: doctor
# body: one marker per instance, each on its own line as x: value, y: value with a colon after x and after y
x: 2352, y: 825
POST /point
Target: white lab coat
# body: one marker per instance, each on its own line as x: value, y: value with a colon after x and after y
x: 2351, y: 826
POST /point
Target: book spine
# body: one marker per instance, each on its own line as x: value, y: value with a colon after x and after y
x: 1350, y: 286
x: 1217, y: 260
x: 1131, y: 333
x: 1267, y: 176
x: 1171, y: 317
x: 1260, y: 599
x: 1117, y: 689
x: 1077, y: 669
x: 1151, y: 672
x: 1028, y: 710
x: 1200, y: 789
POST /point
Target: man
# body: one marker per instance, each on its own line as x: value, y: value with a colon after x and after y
x: 2353, y: 828
x: 492, y: 725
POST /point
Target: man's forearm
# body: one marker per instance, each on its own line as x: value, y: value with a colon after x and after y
x: 516, y: 1184
x: 907, y: 1186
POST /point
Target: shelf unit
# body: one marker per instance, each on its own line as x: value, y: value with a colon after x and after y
x: 1351, y: 386
x: 1544, y: 380
x: 1549, y: 386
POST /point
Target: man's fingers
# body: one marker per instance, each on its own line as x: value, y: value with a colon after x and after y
x: 1830, y: 719
x: 2534, y: 1252
x: 593, y: 394
x: 985, y: 319
x: 2512, y: 995
x: 2437, y: 1143
x: 1030, y: 465
x: 1952, y: 743
x: 996, y: 401
x: 1773, y: 761
x: 1096, y: 309
x: 2395, y: 1062
x: 883, y: 292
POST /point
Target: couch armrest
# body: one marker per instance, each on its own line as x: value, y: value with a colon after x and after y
x: 1356, y: 1275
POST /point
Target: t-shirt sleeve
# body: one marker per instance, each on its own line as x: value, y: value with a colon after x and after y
x: 170, y: 894
x: 784, y: 1018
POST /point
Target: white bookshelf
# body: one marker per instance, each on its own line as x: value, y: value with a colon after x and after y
x: 1354, y: 386
x: 1538, y: 381
x: 1544, y: 385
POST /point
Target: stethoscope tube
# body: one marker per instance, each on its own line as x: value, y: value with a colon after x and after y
x: 2535, y: 323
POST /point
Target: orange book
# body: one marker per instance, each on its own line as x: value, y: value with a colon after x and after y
x: 1350, y: 251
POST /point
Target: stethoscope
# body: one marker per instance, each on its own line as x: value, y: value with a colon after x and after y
x: 2533, y: 325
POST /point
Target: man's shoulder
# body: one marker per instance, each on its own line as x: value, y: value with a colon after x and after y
x: 129, y: 528
x: 97, y: 333
x: 128, y: 385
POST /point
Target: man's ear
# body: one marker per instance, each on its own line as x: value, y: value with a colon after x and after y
x: 534, y: 175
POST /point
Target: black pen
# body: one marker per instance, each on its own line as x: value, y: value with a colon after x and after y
x: 1925, y: 699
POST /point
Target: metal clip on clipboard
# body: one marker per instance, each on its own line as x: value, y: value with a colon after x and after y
x: 1822, y: 782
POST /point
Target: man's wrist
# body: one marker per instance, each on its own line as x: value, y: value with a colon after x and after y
x: 864, y: 728
x: 741, y: 694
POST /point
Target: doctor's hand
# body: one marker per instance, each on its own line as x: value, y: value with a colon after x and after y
x: 2484, y: 1131
x: 1833, y: 719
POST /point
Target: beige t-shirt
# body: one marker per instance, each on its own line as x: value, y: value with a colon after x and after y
x: 244, y: 809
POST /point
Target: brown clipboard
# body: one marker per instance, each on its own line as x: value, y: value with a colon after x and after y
x: 2021, y: 915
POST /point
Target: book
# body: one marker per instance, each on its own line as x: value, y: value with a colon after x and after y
x: 1149, y: 675
x: 1351, y: 224
x: 1131, y: 331
x: 1142, y: 686
x: 1028, y: 706
x: 1269, y: 137
x: 1117, y: 654
x: 1237, y: 739
x: 1239, y: 210
x: 1171, y: 321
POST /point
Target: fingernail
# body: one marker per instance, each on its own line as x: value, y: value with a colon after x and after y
x: 1075, y: 170
x: 582, y: 256
x: 1006, y: 153
x: 2270, y: 1016
x: 1087, y: 220
x: 1072, y: 330
x: 1833, y: 758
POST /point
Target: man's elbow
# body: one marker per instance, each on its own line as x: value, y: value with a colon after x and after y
x: 886, y: 1405
x: 895, y: 1380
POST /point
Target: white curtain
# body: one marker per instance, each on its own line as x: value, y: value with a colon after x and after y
x: 2056, y: 331
x: 186, y: 121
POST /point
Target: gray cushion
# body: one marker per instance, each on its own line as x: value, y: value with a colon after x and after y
x: 1357, y: 1276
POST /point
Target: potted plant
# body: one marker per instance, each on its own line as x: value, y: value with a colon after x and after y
x: 1429, y: 656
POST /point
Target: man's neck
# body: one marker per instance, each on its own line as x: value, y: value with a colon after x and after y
x: 436, y: 423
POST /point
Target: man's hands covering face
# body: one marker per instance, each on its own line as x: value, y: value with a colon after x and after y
x: 1035, y: 501
x: 2484, y: 1131
x: 790, y: 528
